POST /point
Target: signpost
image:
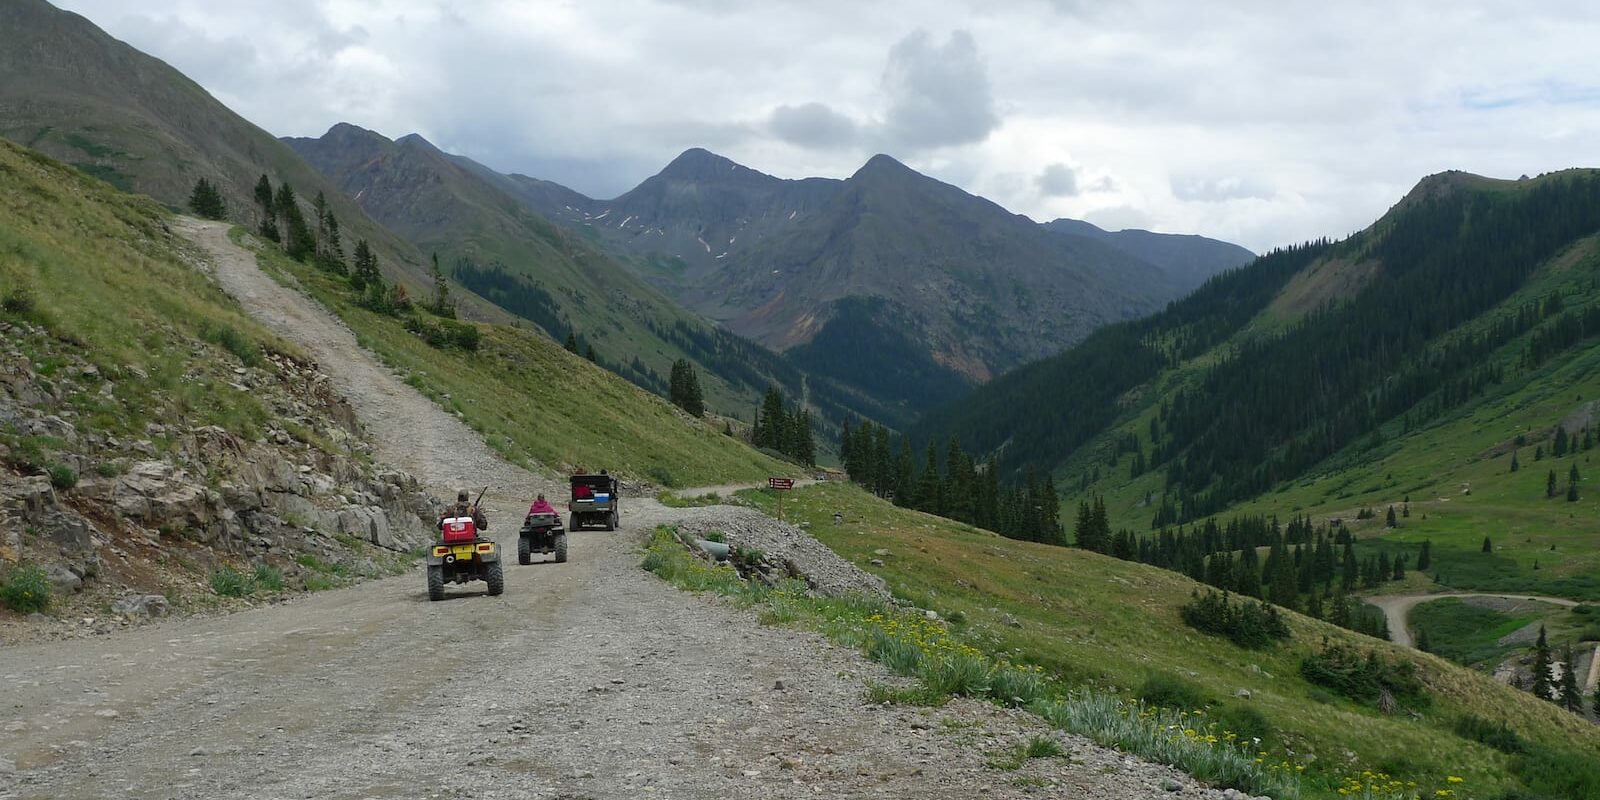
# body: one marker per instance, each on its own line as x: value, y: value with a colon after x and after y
x: 780, y: 485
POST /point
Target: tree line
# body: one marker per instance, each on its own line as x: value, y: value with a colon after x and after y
x: 954, y: 486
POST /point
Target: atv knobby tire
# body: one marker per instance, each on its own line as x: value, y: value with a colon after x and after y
x: 561, y: 549
x: 435, y: 582
x: 524, y: 553
x: 496, y: 578
x: 611, y: 521
x: 572, y: 522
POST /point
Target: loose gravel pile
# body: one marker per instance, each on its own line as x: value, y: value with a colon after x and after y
x: 785, y: 546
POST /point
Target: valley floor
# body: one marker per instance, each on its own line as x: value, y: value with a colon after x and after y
x: 586, y: 679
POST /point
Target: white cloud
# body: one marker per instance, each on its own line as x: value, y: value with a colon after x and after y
x: 1265, y: 123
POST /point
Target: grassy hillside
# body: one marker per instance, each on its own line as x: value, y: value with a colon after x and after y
x: 538, y: 404
x: 101, y: 271
x: 1096, y: 620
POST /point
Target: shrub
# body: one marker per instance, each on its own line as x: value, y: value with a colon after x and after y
x: 1344, y: 671
x: 229, y: 582
x: 1042, y: 747
x: 959, y: 674
x: 18, y: 301
x: 1170, y: 691
x: 25, y: 589
x: 1477, y: 729
x: 1251, y: 625
x: 1245, y: 721
x: 63, y: 477
x: 230, y: 339
x: 269, y: 578
x: 1013, y: 686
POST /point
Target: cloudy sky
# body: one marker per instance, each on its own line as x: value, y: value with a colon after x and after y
x: 1265, y: 122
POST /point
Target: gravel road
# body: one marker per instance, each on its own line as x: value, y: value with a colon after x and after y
x: 590, y: 679
x: 1397, y: 608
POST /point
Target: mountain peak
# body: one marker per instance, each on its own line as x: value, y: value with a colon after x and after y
x: 698, y: 163
x: 882, y: 164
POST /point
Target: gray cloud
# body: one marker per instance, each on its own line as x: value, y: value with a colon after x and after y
x: 1218, y: 189
x: 813, y: 125
x: 1057, y: 180
x: 938, y: 94
x: 1245, y: 121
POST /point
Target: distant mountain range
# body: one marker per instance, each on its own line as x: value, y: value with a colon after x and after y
x: 886, y: 293
x: 888, y: 279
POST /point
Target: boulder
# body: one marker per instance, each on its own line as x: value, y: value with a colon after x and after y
x: 63, y: 580
x: 145, y: 606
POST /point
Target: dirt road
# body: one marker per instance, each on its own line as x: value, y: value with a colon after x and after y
x: 1397, y: 608
x: 590, y: 679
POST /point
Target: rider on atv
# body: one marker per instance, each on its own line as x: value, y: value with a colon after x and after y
x: 464, y: 508
x: 541, y: 506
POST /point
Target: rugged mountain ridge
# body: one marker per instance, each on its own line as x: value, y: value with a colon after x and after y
x: 888, y: 280
x: 1186, y: 258
x: 493, y: 244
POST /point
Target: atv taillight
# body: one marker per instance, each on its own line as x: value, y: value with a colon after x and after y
x: 441, y: 551
x: 484, y: 548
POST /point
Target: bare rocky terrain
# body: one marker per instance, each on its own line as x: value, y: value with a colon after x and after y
x: 590, y: 679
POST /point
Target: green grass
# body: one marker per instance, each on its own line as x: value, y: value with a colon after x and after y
x: 1105, y: 625
x: 1469, y: 634
x: 537, y: 403
x: 101, y: 272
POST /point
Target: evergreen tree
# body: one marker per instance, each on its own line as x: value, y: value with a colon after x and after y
x: 1572, y: 474
x: 1514, y: 465
x: 1538, y: 453
x: 1541, y: 667
x: 1339, y: 611
x: 930, y: 494
x: 572, y: 342
x: 1422, y: 641
x: 1399, y: 567
x: 1569, y: 696
x: 588, y: 353
x: 1390, y: 520
x: 1488, y: 547
x: 1348, y: 571
x: 206, y: 202
x: 365, y: 272
x: 269, y: 214
x: 442, y: 304
x: 772, y: 426
x: 1572, y: 492
x: 1560, y: 448
x: 1550, y: 484
x: 683, y: 388
x: 805, y: 449
x: 905, y: 479
x: 1425, y: 558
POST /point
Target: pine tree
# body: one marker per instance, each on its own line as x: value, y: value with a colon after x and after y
x: 1550, y: 484
x: 589, y: 354
x: 269, y: 213
x: 1399, y: 567
x: 572, y: 342
x: 1348, y: 570
x: 1541, y: 667
x: 772, y: 428
x: 1339, y: 612
x: 1538, y: 453
x: 1570, y: 697
x: 1422, y: 641
x: 366, y: 267
x: 1514, y: 465
x: 1425, y: 558
x: 683, y: 388
x: 1572, y: 474
x: 1390, y: 520
x: 1488, y: 547
x: 1560, y: 448
x: 442, y: 305
x: 805, y: 449
x: 1572, y: 492
x: 206, y: 202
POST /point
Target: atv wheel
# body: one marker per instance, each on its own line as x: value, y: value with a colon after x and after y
x: 436, y: 582
x: 561, y: 549
x: 524, y: 552
x: 496, y: 578
x: 572, y: 522
x: 611, y: 521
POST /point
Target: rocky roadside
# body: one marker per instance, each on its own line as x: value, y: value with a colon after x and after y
x: 129, y: 526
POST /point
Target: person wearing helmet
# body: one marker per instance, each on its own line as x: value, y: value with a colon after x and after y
x: 464, y: 508
x: 541, y: 506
